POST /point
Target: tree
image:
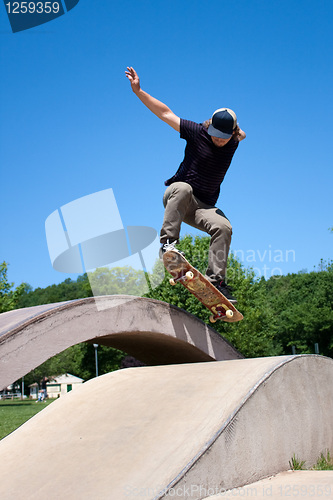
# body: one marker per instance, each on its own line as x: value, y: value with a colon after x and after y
x: 67, y: 290
x: 118, y: 281
x: 9, y: 297
x: 303, y: 305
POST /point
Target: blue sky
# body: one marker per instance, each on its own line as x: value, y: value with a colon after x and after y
x: 70, y: 125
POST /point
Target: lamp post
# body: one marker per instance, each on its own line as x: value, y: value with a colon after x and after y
x: 96, y: 359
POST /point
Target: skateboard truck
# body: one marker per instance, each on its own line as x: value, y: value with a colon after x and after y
x: 220, y: 311
x: 185, y: 277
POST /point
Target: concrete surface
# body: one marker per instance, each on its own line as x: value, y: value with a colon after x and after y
x: 288, y: 485
x: 150, y: 330
x: 152, y: 432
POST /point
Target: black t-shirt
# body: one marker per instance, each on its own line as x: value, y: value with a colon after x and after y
x: 204, y: 165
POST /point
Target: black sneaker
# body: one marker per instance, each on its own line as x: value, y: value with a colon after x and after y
x: 169, y: 245
x: 226, y: 291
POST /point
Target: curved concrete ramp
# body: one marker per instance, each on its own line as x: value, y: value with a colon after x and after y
x: 173, y: 431
x: 152, y: 331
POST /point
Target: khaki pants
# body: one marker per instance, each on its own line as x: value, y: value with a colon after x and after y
x: 182, y: 206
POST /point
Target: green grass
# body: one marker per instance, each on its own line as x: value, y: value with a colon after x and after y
x: 323, y: 463
x: 15, y: 413
x: 296, y: 464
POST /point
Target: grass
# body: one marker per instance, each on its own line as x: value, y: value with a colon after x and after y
x: 15, y: 413
x: 323, y: 463
x: 296, y: 464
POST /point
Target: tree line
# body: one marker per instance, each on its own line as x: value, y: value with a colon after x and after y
x: 281, y: 314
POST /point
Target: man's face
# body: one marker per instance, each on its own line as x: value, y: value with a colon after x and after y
x: 220, y: 142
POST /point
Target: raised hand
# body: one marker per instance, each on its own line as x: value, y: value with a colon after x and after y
x: 132, y: 75
x: 157, y: 107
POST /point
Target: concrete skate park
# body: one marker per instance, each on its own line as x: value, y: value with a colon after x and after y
x: 199, y: 421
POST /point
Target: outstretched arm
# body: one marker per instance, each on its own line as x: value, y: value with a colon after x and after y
x: 155, y: 106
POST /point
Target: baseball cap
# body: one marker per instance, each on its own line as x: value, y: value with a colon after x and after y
x: 224, y: 121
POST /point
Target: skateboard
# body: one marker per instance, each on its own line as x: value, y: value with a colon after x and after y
x: 182, y: 272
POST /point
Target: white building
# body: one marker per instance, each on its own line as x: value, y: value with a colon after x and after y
x: 57, y: 386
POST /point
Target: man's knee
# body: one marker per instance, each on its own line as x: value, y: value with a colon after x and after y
x: 221, y: 227
x: 227, y: 227
x: 179, y: 190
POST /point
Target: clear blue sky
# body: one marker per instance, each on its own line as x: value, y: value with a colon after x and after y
x: 70, y: 125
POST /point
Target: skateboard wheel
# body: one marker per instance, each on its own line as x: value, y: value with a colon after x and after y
x: 229, y: 313
x: 172, y: 281
x: 212, y: 319
x: 189, y: 275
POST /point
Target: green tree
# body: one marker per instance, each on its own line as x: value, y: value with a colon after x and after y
x: 256, y: 334
x: 67, y: 290
x: 109, y: 360
x: 9, y: 296
x: 118, y: 281
x: 303, y: 306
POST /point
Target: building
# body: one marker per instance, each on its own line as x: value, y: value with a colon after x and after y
x: 57, y: 386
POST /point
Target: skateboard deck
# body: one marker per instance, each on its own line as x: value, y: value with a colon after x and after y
x: 183, y: 272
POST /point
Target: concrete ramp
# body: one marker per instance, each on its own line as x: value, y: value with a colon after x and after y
x: 176, y: 431
x: 152, y: 331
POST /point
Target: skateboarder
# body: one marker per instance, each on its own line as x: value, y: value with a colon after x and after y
x: 192, y: 193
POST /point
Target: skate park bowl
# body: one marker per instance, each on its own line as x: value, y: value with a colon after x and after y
x: 177, y: 429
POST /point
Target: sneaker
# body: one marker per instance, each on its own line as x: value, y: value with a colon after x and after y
x: 226, y: 291
x: 169, y: 245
